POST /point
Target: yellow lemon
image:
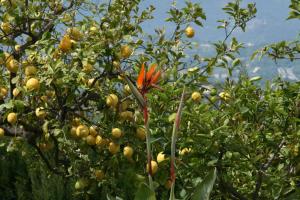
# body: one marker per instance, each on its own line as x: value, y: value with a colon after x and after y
x: 12, y: 118
x: 93, y: 131
x: 90, y: 140
x: 125, y: 105
x: 154, y: 167
x: 99, y: 174
x: 141, y: 133
x: 127, y: 90
x: 116, y: 132
x: 73, y: 131
x: 12, y: 65
x: 128, y: 152
x: 93, y: 29
x: 184, y: 151
x: 112, y: 100
x: 113, y: 148
x: 2, y: 132
x: 16, y: 92
x: 82, y: 131
x: 126, y: 115
x: 160, y: 157
x: 40, y: 113
x: 65, y: 44
x: 6, y: 27
x: 116, y: 64
x: 87, y: 68
x: 225, y: 96
x: 76, y: 121
x: 80, y: 184
x: 90, y: 82
x: 189, y: 32
x: 3, y: 92
x: 32, y: 84
x: 196, y: 96
x: 17, y: 47
x: 100, y: 141
x: 126, y: 51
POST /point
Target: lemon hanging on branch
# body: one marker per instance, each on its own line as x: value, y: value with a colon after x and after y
x: 196, y: 96
x: 189, y: 32
x: 112, y: 100
x: 154, y: 167
x: 116, y: 132
x: 65, y: 44
x: 126, y: 51
x: 2, y: 132
x: 32, y: 84
x: 12, y: 118
x: 128, y: 152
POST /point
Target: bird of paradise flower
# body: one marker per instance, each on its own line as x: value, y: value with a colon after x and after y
x: 146, y: 80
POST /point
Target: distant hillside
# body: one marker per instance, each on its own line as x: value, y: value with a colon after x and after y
x: 266, y: 68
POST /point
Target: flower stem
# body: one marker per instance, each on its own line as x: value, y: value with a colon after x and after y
x: 173, y: 145
x: 149, y: 153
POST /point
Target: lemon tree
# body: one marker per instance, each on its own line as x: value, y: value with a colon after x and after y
x: 89, y: 102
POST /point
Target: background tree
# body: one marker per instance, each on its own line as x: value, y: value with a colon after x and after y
x: 72, y: 127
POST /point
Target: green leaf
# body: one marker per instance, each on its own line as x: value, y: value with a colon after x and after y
x: 15, y: 80
x: 109, y: 197
x: 212, y: 162
x: 19, y: 105
x: 57, y: 131
x: 293, y: 195
x: 253, y: 56
x: 244, y: 109
x: 144, y: 193
x: 45, y: 127
x: 8, y: 105
x: 236, y: 62
x: 172, y: 117
x: 255, y: 78
x: 204, y: 188
x: 46, y: 35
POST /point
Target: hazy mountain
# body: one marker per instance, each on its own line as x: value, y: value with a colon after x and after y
x: 266, y: 68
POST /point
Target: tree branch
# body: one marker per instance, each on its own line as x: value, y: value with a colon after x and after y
x: 226, y: 187
x: 263, y: 168
x: 46, y: 161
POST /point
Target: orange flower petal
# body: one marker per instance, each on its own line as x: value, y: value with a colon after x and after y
x: 155, y: 78
x: 151, y: 71
x: 141, y: 77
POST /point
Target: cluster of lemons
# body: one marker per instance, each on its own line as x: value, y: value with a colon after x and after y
x: 69, y: 39
x: 93, y: 137
x: 225, y: 96
x: 89, y: 134
x: 12, y: 65
x: 112, y: 101
x: 73, y: 35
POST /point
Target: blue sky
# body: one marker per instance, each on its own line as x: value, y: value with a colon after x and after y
x: 270, y: 25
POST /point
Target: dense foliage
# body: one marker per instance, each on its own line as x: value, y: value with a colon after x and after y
x: 74, y: 122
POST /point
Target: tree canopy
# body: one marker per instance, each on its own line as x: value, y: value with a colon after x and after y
x: 93, y: 107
